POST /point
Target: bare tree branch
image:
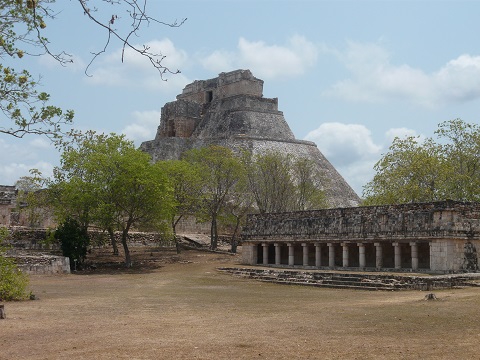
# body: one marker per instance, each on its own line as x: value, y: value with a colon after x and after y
x: 136, y: 9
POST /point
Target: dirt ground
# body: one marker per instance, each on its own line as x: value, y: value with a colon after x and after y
x: 181, y: 307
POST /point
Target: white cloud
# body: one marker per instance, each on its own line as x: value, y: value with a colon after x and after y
x: 137, y: 71
x: 144, y: 126
x: 41, y: 143
x: 350, y: 148
x: 266, y: 61
x: 13, y: 171
x: 24, y: 155
x: 344, y: 144
x: 401, y: 133
x: 219, y: 61
x: 459, y: 79
x: 374, y: 78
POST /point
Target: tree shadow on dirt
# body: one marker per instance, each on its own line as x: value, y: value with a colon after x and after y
x: 144, y: 260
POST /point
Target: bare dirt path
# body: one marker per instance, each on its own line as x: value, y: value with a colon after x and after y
x: 180, y: 307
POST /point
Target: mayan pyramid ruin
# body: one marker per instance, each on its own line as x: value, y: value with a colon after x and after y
x: 230, y: 111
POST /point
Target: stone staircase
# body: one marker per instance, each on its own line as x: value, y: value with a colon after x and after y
x: 356, y: 281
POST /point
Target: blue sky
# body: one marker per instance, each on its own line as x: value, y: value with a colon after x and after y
x: 349, y: 75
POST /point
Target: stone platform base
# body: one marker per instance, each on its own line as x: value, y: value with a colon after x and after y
x: 43, y: 264
x: 358, y: 281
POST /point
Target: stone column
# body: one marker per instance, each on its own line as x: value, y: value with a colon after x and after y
x: 398, y: 255
x: 378, y: 256
x: 345, y: 254
x: 278, y: 254
x: 249, y: 254
x: 291, y: 254
x: 305, y: 254
x: 361, y: 255
x: 318, y: 255
x: 414, y: 252
x: 331, y: 255
x: 265, y: 253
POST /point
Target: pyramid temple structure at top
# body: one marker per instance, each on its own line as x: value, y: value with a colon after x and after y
x: 230, y: 111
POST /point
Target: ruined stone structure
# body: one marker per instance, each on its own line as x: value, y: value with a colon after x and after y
x: 230, y: 111
x: 43, y: 264
x: 9, y: 212
x: 431, y: 237
x: 11, y: 215
x: 8, y: 204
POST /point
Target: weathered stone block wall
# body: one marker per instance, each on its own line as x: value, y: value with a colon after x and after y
x: 101, y: 239
x: 35, y: 239
x: 43, y: 264
x: 31, y: 239
x: 189, y: 225
x: 179, y: 119
x: 225, y: 85
x: 264, y: 125
x: 250, y: 103
x: 406, y: 221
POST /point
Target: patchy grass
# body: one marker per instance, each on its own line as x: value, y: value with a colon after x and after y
x: 180, y: 307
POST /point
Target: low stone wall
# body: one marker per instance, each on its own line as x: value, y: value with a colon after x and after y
x: 102, y: 239
x: 31, y: 239
x: 43, y: 264
x: 37, y: 239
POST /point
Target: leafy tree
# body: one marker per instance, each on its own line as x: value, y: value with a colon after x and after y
x: 220, y: 171
x: 270, y: 180
x: 309, y: 185
x: 21, y: 27
x: 187, y: 184
x: 22, y: 24
x: 460, y: 146
x: 418, y: 171
x: 74, y: 241
x: 239, y: 203
x: 74, y: 189
x: 13, y: 282
x: 279, y: 182
x: 104, y: 180
x: 411, y: 171
x: 138, y: 193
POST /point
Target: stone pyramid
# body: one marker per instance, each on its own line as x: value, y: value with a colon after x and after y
x: 230, y: 111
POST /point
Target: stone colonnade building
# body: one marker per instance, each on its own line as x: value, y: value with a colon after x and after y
x: 429, y: 237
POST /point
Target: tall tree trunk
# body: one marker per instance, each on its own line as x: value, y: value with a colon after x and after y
x: 233, y: 240
x: 174, y: 225
x: 214, y: 234
x: 111, y: 233
x: 128, y: 259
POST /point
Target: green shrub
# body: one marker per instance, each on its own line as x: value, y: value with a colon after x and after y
x: 74, y: 242
x: 13, y: 282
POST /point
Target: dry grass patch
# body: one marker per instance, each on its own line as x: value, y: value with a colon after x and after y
x: 180, y: 307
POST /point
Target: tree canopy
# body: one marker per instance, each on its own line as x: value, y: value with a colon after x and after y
x: 220, y: 170
x: 26, y: 109
x: 186, y: 182
x: 103, y: 180
x: 280, y: 182
x: 430, y: 170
